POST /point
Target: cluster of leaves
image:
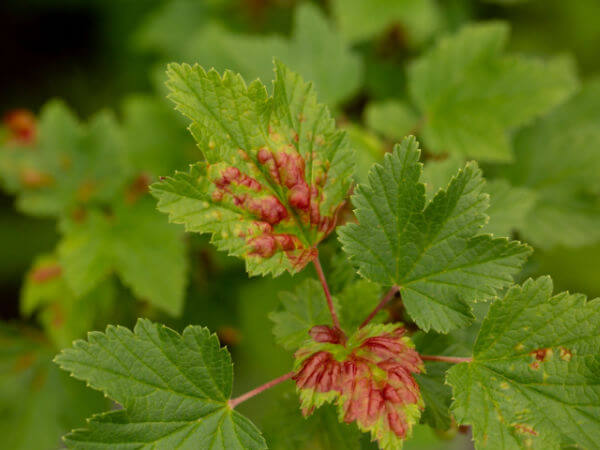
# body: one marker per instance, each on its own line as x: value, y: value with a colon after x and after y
x: 275, y: 179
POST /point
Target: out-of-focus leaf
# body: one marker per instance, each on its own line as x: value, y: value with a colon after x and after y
x: 133, y: 240
x: 38, y: 402
x: 63, y: 316
x: 393, y: 118
x: 472, y: 95
x: 315, y: 51
x: 559, y: 159
x: 155, y: 138
x: 359, y: 20
x: 68, y: 164
x: 368, y: 149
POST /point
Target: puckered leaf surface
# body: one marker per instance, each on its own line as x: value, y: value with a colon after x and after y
x: 369, y: 377
x: 471, y: 94
x: 276, y: 171
x: 174, y: 390
x: 559, y: 159
x: 534, y: 377
x: 432, y: 250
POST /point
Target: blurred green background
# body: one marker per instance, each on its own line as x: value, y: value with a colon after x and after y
x: 106, y: 55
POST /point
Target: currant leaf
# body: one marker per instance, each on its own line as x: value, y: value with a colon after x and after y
x: 534, y: 377
x: 392, y: 118
x: 558, y: 158
x: 472, y: 95
x: 39, y: 402
x: 275, y: 175
x: 174, y: 390
x: 301, y: 310
x: 431, y: 250
x: 63, y: 316
x: 369, y: 378
x: 509, y: 207
x: 65, y: 164
x: 315, y: 50
x: 123, y: 240
x: 359, y: 20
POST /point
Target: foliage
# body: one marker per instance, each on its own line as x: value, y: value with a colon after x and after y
x: 400, y: 300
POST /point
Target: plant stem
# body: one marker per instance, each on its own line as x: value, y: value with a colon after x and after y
x: 384, y: 301
x: 242, y: 398
x: 321, y: 276
x: 448, y: 359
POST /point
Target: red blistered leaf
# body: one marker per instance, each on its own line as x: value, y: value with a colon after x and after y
x: 369, y: 377
x: 276, y: 172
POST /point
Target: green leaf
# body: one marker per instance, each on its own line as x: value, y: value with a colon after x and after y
x: 301, y: 310
x: 168, y: 27
x: 315, y: 50
x: 432, y: 250
x: 63, y: 316
x: 472, y: 95
x: 174, y: 390
x: 559, y: 159
x: 357, y: 300
x: 437, y: 396
x: 360, y: 20
x: 437, y: 173
x: 154, y: 136
x: 392, y: 118
x: 509, y: 205
x: 68, y: 165
x: 368, y: 149
x: 275, y: 176
x: 286, y: 429
x: 533, y: 381
x: 38, y: 402
x: 124, y: 240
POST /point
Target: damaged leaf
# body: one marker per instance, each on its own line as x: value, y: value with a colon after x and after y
x: 369, y: 377
x: 276, y: 170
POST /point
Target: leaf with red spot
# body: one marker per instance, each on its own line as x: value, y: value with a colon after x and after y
x: 57, y: 163
x: 533, y: 381
x: 369, y: 377
x: 63, y: 315
x: 275, y: 171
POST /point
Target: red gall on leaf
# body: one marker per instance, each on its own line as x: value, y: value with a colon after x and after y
x: 276, y: 171
x: 21, y: 125
x: 369, y: 377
